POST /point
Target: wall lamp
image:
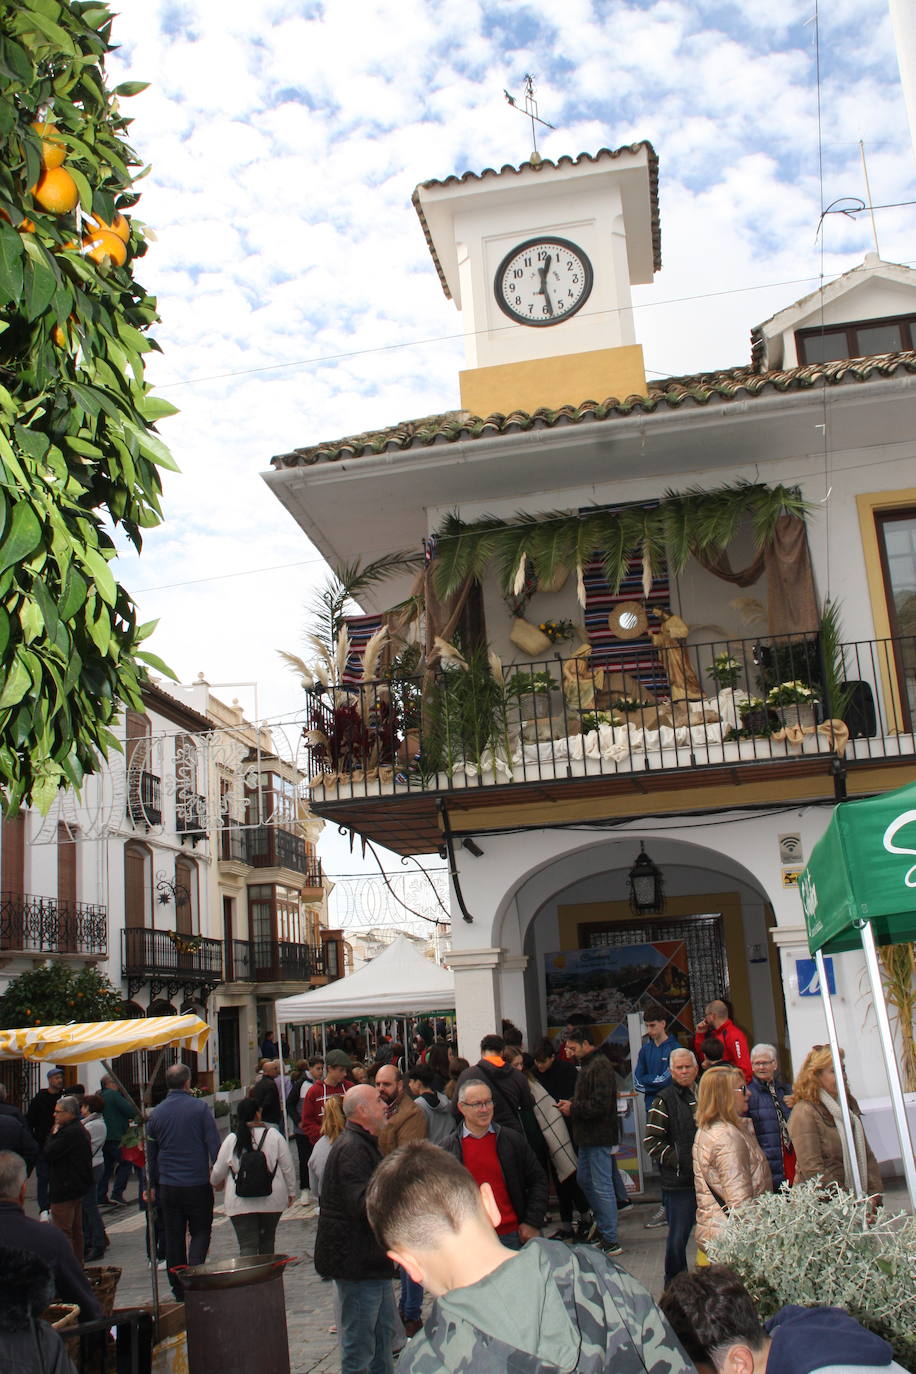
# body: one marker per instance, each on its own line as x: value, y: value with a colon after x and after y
x: 471, y: 845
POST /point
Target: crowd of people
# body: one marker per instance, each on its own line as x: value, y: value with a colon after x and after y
x: 431, y: 1175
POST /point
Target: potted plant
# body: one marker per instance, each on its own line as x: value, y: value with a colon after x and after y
x: 794, y: 703
x: 557, y: 630
x: 528, y: 684
x: 725, y: 671
x: 755, y: 716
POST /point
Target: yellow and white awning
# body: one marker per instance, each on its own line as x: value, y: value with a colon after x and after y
x: 83, y: 1043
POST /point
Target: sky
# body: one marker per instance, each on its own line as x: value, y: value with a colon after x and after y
x: 297, y: 296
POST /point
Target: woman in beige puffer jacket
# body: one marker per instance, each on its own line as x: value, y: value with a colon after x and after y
x: 727, y: 1161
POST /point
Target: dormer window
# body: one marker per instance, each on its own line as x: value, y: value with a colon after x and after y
x: 858, y: 339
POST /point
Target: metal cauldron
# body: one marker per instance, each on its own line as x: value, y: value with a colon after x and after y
x: 239, y: 1272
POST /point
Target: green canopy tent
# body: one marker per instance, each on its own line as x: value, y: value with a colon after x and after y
x: 859, y: 890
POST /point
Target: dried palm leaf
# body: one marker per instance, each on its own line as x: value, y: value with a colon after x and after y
x: 371, y: 655
x: 448, y: 653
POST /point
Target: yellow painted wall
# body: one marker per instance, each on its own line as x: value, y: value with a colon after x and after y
x: 567, y: 380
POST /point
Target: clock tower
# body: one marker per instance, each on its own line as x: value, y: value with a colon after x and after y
x: 540, y: 259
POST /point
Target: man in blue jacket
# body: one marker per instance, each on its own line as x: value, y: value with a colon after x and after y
x: 181, y: 1144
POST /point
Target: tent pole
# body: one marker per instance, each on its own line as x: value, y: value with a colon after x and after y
x: 150, y: 1211
x: 324, y: 1042
x: 284, y: 1114
x: 857, y: 1185
x: 886, y: 1037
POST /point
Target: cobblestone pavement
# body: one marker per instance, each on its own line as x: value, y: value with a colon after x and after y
x: 310, y: 1300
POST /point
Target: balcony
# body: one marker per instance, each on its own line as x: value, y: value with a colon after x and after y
x: 232, y: 845
x: 43, y: 925
x: 267, y: 846
x: 170, y: 961
x: 268, y: 961
x: 144, y: 798
x: 191, y: 817
x: 608, y: 742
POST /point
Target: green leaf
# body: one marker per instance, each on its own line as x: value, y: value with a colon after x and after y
x: 156, y: 662
x: 131, y: 87
x: 23, y: 536
x: 154, y: 408
x: 11, y: 275
x: 40, y: 286
x: 101, y: 573
x: 152, y: 446
x: 16, y: 685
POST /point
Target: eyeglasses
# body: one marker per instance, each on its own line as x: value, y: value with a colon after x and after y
x: 742, y: 1090
x: 479, y: 1106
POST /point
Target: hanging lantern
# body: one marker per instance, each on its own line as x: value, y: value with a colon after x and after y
x: 647, y: 887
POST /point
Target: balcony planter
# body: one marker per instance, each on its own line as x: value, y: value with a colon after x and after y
x: 794, y: 703
x: 755, y: 717
x: 800, y: 713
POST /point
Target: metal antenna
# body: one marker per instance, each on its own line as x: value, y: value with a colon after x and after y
x: 530, y: 109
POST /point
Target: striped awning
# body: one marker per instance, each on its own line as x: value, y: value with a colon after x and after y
x: 83, y: 1043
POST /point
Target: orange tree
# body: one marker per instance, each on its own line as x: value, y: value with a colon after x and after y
x: 55, y: 995
x: 79, y: 456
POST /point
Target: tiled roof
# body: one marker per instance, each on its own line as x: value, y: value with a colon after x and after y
x: 545, y: 164
x: 671, y: 393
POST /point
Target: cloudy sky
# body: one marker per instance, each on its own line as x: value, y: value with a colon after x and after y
x: 297, y: 295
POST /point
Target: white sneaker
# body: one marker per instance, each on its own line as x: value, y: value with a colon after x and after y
x: 305, y: 1197
x: 44, y: 1216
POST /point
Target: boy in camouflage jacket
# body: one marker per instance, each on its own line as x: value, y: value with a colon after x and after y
x: 546, y: 1307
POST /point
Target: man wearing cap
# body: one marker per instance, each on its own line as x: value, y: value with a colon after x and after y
x: 40, y: 1119
x: 334, y: 1084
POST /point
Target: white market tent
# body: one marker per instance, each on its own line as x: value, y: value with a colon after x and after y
x: 398, y: 982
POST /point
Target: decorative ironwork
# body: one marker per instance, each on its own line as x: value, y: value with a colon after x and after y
x: 232, y: 844
x: 271, y: 847
x: 47, y: 926
x: 191, y: 818
x: 171, y: 890
x: 282, y: 961
x: 238, y: 961
x: 144, y: 798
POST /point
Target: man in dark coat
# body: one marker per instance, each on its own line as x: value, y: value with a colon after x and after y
x: 511, y: 1093
x: 68, y: 1153
x: 670, y: 1129
x: 593, y: 1116
x: 346, y: 1249
x: 16, y: 1136
x: 26, y: 1342
x: 40, y: 1119
x: 267, y: 1095
x: 20, y: 1232
x: 6, y: 1107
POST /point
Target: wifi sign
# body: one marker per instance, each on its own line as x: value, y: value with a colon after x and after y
x: 790, y: 849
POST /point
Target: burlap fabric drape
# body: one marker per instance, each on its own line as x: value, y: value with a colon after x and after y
x: 786, y: 559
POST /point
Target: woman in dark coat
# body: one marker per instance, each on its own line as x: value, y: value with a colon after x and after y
x: 769, y: 1102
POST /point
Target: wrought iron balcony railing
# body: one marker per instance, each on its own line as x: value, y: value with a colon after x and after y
x: 45, y: 925
x: 238, y: 961
x: 170, y: 954
x: 232, y: 844
x: 144, y: 798
x: 664, y: 707
x: 268, y: 846
x: 276, y: 961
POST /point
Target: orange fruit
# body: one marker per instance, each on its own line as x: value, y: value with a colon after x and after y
x: 59, y: 337
x: 56, y: 191
x: 53, y: 151
x: 102, y: 244
x: 26, y: 226
x: 119, y: 225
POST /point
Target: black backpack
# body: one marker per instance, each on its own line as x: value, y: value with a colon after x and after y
x: 253, y: 1178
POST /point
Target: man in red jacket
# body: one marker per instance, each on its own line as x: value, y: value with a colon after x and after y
x: 334, y: 1084
x: 716, y: 1022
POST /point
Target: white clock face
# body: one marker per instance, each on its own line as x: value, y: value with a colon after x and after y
x: 543, y: 281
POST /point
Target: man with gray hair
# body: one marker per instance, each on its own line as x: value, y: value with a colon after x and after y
x: 346, y: 1249
x: 19, y: 1232
x: 182, y: 1143
x: 670, y: 1129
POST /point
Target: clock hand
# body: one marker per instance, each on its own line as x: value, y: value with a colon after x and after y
x: 542, y: 289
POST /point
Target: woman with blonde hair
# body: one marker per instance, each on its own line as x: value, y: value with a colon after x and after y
x: 816, y: 1128
x: 729, y: 1166
x: 331, y: 1127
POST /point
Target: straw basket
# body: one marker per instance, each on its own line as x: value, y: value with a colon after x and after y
x: 103, y: 1280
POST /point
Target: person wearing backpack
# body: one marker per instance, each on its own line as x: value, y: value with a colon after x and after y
x: 256, y: 1168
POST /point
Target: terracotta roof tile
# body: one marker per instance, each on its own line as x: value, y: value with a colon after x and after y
x: 671, y: 393
x: 546, y: 164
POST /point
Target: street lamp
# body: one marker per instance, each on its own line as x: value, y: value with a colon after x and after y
x: 646, y: 885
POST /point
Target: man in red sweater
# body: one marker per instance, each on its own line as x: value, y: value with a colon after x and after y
x: 503, y: 1159
x: 334, y: 1084
x: 716, y: 1022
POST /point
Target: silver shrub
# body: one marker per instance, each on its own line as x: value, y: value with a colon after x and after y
x: 815, y: 1246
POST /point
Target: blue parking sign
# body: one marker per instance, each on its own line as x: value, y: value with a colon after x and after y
x: 809, y: 982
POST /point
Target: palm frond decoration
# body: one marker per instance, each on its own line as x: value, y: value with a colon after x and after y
x: 463, y: 550
x: 553, y: 546
x: 371, y: 654
x: 298, y: 665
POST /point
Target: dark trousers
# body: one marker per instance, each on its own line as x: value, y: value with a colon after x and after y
x: 681, y: 1210
x: 186, y: 1212
x: 112, y: 1163
x: 256, y: 1232
x: 570, y: 1197
x: 304, y: 1148
x: 41, y: 1184
x: 93, y: 1230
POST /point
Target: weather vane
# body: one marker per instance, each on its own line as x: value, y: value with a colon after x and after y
x: 530, y: 108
